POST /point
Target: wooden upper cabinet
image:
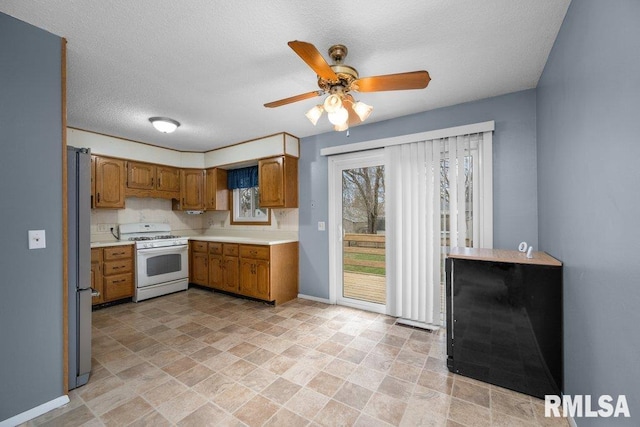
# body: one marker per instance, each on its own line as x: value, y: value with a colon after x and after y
x: 278, y: 182
x: 141, y: 175
x: 216, y: 193
x: 168, y: 178
x: 191, y: 189
x: 110, y: 179
x: 148, y: 176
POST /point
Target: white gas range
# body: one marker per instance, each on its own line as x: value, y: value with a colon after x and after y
x: 162, y: 260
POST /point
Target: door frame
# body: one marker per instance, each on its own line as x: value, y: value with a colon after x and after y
x: 338, y: 163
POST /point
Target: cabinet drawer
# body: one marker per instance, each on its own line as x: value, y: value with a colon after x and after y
x: 117, y: 252
x: 118, y: 267
x: 197, y: 246
x: 255, y: 252
x: 231, y: 249
x: 215, y: 248
x: 118, y: 286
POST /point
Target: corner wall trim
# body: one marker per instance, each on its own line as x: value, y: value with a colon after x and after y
x: 35, y: 412
x: 311, y: 298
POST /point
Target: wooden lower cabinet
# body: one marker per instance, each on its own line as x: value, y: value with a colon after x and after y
x: 223, y: 266
x: 199, y: 264
x: 112, y: 273
x: 96, y: 275
x: 269, y: 273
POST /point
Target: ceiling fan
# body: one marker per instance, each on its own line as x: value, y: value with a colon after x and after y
x: 339, y: 80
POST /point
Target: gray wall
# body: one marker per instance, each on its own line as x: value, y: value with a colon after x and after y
x: 514, y: 180
x: 589, y: 200
x: 31, y: 189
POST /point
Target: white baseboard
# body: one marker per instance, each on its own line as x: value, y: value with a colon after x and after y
x: 417, y: 324
x: 311, y: 298
x: 35, y: 412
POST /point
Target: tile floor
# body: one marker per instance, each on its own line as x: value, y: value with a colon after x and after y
x: 198, y: 358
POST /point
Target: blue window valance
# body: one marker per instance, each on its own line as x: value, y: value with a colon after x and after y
x: 242, y: 178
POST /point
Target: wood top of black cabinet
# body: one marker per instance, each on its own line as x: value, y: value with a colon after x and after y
x: 502, y: 255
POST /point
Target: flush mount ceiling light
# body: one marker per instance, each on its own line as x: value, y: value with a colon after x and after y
x: 339, y: 80
x: 164, y: 124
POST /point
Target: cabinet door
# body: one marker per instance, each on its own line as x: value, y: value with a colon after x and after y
x: 231, y: 273
x: 200, y: 269
x: 216, y: 268
x: 271, y: 181
x: 278, y: 181
x: 192, y: 189
x: 216, y: 193
x: 96, y: 275
x: 262, y: 283
x: 93, y: 182
x: 247, y: 278
x: 110, y: 182
x: 141, y: 175
x: 168, y: 178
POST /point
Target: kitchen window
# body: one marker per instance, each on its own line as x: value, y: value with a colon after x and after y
x: 246, y: 209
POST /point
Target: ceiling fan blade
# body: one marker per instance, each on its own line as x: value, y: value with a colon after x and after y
x: 312, y: 57
x: 296, y: 98
x: 401, y: 81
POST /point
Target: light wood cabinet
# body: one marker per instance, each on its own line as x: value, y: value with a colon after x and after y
x: 110, y: 178
x: 199, y: 263
x: 141, y: 175
x: 278, y: 182
x: 223, y: 266
x: 268, y: 273
x: 191, y: 190
x: 168, y: 178
x: 151, y: 180
x: 112, y: 273
x: 216, y: 192
x: 96, y: 275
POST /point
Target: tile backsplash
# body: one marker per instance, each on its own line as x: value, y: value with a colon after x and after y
x: 159, y: 210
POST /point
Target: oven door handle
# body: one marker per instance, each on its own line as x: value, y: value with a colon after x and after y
x: 163, y: 249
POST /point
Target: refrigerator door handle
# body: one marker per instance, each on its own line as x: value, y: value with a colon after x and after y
x: 95, y: 292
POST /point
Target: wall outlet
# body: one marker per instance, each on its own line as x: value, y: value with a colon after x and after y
x: 105, y: 228
x: 321, y: 226
x: 37, y: 239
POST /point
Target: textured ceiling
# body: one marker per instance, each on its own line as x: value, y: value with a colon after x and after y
x: 212, y: 65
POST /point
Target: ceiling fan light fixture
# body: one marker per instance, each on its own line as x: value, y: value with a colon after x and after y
x: 362, y: 110
x: 338, y: 117
x: 164, y: 124
x: 332, y: 103
x: 339, y: 128
x: 314, y: 114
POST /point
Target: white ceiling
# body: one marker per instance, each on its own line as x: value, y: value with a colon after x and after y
x: 212, y: 65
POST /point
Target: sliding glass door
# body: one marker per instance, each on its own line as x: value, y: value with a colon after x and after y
x: 357, y: 222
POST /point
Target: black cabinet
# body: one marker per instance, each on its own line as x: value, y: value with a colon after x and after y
x: 504, y: 319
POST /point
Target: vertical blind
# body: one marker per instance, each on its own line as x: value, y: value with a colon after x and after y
x: 430, y: 208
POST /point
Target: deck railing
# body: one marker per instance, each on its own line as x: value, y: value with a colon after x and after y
x: 364, y: 250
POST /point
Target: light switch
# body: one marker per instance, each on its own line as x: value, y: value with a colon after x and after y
x: 320, y: 225
x: 37, y: 239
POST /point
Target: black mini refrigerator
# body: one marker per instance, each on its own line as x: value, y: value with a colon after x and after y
x: 504, y: 319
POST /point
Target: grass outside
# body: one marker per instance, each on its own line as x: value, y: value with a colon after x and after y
x: 361, y: 268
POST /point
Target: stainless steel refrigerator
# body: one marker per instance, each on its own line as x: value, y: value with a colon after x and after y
x: 79, y: 264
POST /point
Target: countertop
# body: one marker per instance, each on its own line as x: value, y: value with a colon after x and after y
x: 110, y: 243
x: 244, y: 240
x: 262, y: 240
x: 502, y: 255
